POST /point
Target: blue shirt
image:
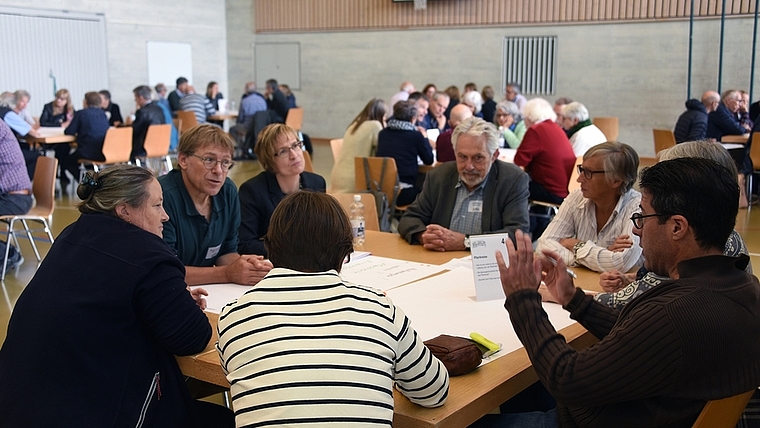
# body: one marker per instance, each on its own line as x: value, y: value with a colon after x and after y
x: 197, y: 241
x: 90, y: 126
x: 250, y: 105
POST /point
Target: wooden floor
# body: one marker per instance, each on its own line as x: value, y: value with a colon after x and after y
x: 747, y: 224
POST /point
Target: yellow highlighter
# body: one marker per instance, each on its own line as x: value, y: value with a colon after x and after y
x: 490, y: 346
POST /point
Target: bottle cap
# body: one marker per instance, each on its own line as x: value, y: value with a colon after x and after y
x: 357, y: 198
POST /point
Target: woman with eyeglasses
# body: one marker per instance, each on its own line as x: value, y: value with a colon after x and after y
x: 507, y: 117
x: 58, y: 112
x: 280, y: 153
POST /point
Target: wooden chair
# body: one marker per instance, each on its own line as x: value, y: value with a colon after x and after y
x: 663, y: 139
x: 608, y: 126
x: 723, y: 413
x: 336, y: 145
x: 389, y: 184
x: 754, y: 155
x: 116, y: 148
x: 157, y: 142
x: 295, y: 118
x: 187, y: 120
x: 43, y: 189
x: 307, y: 165
x: 370, y: 209
x: 178, y: 125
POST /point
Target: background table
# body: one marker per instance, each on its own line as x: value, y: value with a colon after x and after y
x: 50, y: 135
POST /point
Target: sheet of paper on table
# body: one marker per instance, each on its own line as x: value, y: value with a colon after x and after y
x: 507, y: 155
x: 384, y: 273
x: 445, y: 304
x: 485, y: 271
x: 50, y: 131
x: 221, y: 294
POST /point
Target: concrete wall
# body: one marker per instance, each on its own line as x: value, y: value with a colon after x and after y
x: 131, y: 24
x: 636, y: 71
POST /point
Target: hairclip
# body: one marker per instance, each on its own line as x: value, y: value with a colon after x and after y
x: 90, y: 180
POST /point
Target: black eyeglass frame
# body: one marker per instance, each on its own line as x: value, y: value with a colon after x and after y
x: 210, y: 163
x: 588, y: 174
x: 285, y: 150
x: 638, y: 219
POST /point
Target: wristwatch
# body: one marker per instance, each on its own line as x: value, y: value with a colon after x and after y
x: 467, y: 241
x: 577, y: 247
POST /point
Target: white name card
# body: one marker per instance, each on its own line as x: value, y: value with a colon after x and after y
x: 485, y: 271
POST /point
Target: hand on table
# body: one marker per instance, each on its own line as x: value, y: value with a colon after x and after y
x: 438, y: 238
x: 198, y: 295
x: 622, y: 242
x: 248, y: 269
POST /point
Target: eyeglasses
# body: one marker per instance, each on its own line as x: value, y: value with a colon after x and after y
x: 587, y: 173
x: 210, y: 163
x: 298, y: 145
x: 638, y: 218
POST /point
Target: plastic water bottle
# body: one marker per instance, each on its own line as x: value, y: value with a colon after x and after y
x: 357, y: 220
x: 502, y: 141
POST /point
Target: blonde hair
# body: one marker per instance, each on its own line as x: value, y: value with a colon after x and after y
x: 204, y: 134
x: 266, y: 143
x: 102, y: 192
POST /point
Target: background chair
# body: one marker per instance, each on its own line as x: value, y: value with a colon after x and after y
x: 187, y: 120
x: 370, y: 209
x: 723, y: 413
x: 116, y: 148
x: 307, y: 165
x: 663, y: 139
x: 336, y: 145
x: 295, y: 118
x: 381, y: 179
x: 43, y: 189
x: 608, y: 126
x: 157, y: 142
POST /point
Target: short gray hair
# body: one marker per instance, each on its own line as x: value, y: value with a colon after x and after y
x: 8, y: 100
x: 477, y: 127
x: 701, y: 149
x: 621, y: 162
x: 537, y: 110
x: 575, y: 110
x: 510, y: 108
x: 18, y: 95
x: 474, y: 98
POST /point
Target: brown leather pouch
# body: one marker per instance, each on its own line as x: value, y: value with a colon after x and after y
x: 458, y: 354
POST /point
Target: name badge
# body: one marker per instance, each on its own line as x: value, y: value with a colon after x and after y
x: 213, y: 251
x: 475, y: 207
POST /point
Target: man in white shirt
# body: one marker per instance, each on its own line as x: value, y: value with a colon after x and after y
x: 593, y: 226
x: 580, y: 131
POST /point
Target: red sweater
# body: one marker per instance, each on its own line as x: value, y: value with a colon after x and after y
x: 547, y: 156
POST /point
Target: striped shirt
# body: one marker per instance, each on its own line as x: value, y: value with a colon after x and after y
x: 199, y: 105
x: 304, y: 349
x: 577, y: 219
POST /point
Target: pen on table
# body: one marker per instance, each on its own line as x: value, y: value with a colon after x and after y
x: 554, y: 262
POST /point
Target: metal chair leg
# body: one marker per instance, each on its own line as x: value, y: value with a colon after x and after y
x: 31, y: 240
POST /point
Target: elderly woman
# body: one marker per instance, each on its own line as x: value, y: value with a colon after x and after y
x: 582, y: 133
x: 280, y: 153
x: 93, y: 336
x: 510, y: 123
x: 304, y: 348
x: 360, y: 140
x: 401, y: 141
x: 474, y: 101
x: 58, y: 112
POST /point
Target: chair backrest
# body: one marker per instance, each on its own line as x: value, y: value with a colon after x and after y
x: 43, y: 186
x: 663, y: 139
x: 118, y: 145
x: 608, y: 126
x: 370, y: 209
x: 573, y: 184
x: 178, y: 124
x: 754, y: 150
x: 336, y: 145
x: 307, y: 165
x: 295, y: 118
x: 723, y: 413
x: 188, y: 120
x: 157, y: 140
x: 389, y: 185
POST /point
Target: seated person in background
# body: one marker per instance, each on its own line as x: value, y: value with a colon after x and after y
x: 620, y: 287
x: 593, y: 227
x: 113, y: 112
x: 743, y: 113
x: 474, y: 101
x: 723, y: 121
x: 405, y: 89
x: 582, y: 133
x: 435, y: 118
x: 90, y: 126
x: 20, y: 129
x: 280, y: 153
x: 695, y: 338
x: 547, y: 156
x: 161, y: 96
x: 422, y: 102
x: 558, y: 104
x: 198, y: 104
x: 276, y: 102
x: 692, y: 124
x: 304, y: 349
x: 148, y: 113
x: 514, y: 93
x: 510, y: 123
x: 478, y: 194
x: 178, y: 94
x: 401, y: 141
x: 15, y: 187
x: 59, y: 111
x: 429, y: 90
x: 204, y: 211
x: 22, y: 101
x: 127, y: 314
x: 360, y: 140
x: 288, y: 96
x: 453, y: 93
x: 489, y: 105
x: 444, y: 150
x: 251, y: 103
x: 213, y: 95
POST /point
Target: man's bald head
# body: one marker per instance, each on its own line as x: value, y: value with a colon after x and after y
x: 710, y: 100
x: 459, y: 113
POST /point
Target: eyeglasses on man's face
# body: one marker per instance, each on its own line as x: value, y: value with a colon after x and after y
x: 588, y: 174
x: 638, y: 218
x: 210, y: 163
x: 298, y: 145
